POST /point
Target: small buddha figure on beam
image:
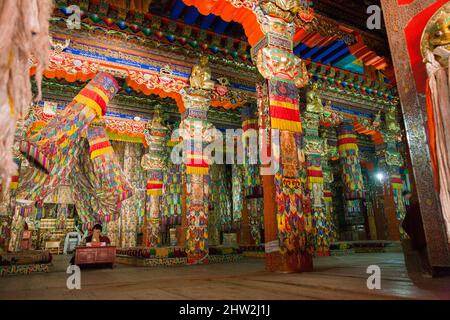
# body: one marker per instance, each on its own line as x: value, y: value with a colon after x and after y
x: 201, y: 75
x: 313, y: 100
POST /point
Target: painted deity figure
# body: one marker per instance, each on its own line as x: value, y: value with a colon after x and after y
x: 201, y: 75
x: 285, y: 9
x: 392, y: 124
x: 313, y: 100
x: 435, y: 48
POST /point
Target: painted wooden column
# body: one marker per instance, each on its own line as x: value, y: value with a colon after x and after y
x: 405, y: 23
x: 314, y: 151
x: 390, y: 162
x: 352, y: 179
x: 153, y: 163
x: 196, y: 133
x: 288, y: 229
x: 252, y: 208
x: 331, y: 219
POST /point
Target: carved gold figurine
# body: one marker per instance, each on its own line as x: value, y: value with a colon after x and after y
x: 313, y: 100
x: 201, y: 75
x: 436, y: 37
x: 284, y: 9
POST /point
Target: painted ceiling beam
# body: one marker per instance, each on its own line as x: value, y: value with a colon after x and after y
x: 300, y: 48
x: 177, y: 10
x: 191, y: 16
x: 334, y: 57
x: 221, y: 26
x: 308, y: 54
x: 207, y: 21
x: 335, y: 46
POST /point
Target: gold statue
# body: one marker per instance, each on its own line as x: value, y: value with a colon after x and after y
x: 436, y: 37
x: 284, y: 9
x: 391, y: 120
x: 292, y: 6
x: 435, y: 47
x: 201, y: 75
x: 313, y: 100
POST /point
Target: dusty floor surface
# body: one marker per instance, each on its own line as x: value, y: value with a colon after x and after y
x: 342, y: 277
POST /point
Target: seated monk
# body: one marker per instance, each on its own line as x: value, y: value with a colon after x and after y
x: 94, y: 239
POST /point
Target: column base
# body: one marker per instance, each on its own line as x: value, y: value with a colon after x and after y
x: 324, y: 252
x: 197, y: 259
x: 295, y: 263
x: 181, y: 236
x: 244, y: 236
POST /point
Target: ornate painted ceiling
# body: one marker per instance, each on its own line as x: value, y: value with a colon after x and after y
x: 337, y: 36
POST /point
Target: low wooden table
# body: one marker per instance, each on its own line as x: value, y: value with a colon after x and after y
x: 95, y: 255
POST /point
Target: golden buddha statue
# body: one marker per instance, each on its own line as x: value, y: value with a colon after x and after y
x: 201, y: 75
x: 285, y: 9
x: 292, y: 6
x: 436, y: 38
x: 313, y: 100
x: 435, y: 46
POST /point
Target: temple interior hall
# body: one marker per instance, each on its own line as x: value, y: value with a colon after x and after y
x: 252, y: 149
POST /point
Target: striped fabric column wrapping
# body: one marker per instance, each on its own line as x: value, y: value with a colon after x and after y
x: 284, y: 106
x: 56, y: 148
x: 63, y: 132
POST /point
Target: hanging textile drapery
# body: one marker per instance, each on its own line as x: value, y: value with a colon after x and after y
x: 295, y: 223
x: 154, y: 163
x: 56, y: 148
x: 24, y: 25
x: 74, y: 146
x: 105, y: 186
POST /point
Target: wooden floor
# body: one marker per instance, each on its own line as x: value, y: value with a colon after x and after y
x: 341, y: 277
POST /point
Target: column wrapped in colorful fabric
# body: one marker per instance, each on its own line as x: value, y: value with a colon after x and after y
x: 196, y: 133
x: 57, y: 146
x: 97, y: 180
x: 252, y: 181
x: 352, y: 179
x: 133, y: 208
x: 316, y: 149
x: 394, y: 161
x: 109, y: 185
x: 237, y: 195
x: 154, y: 162
x: 331, y: 229
x: 288, y: 240
x: 171, y: 211
x: 284, y: 106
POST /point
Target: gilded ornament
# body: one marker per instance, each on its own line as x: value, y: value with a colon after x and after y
x: 392, y: 124
x: 436, y: 37
x: 313, y: 100
x: 201, y: 75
